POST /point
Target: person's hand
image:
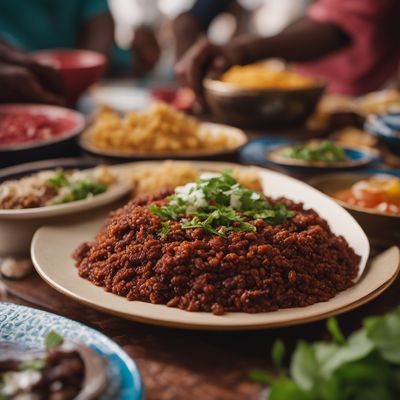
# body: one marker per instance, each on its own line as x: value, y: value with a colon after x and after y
x: 23, y: 79
x: 186, y: 30
x: 146, y: 50
x: 19, y: 84
x: 205, y: 59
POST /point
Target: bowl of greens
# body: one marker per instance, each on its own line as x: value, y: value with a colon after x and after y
x: 38, y: 193
x: 320, y: 155
x: 363, y: 366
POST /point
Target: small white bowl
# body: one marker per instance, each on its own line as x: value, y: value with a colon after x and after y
x: 18, y: 226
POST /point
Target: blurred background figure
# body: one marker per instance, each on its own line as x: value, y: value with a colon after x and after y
x: 224, y: 19
x: 43, y: 24
x: 351, y: 44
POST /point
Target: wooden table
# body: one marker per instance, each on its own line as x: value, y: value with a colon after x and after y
x: 178, y: 364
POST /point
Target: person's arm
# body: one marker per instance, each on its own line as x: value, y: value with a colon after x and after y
x: 97, y: 34
x: 305, y: 40
x: 189, y: 25
x: 22, y: 79
x: 97, y: 26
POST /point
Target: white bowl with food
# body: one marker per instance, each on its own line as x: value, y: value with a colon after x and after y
x: 40, y: 193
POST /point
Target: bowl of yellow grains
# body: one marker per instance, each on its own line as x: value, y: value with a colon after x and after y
x: 157, y: 133
x: 257, y: 96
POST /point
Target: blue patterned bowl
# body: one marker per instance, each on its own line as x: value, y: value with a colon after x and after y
x: 387, y: 128
x: 28, y: 327
x: 265, y: 152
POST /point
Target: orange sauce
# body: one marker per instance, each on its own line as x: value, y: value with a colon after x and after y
x: 377, y: 193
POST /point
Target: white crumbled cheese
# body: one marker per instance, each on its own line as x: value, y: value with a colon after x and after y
x: 21, y: 380
x: 209, y: 175
x: 255, y: 196
x: 359, y: 188
x: 235, y: 201
x: 382, y: 207
x: 183, y: 192
x: 194, y: 198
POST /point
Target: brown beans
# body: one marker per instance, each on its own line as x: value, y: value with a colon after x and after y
x: 294, y: 264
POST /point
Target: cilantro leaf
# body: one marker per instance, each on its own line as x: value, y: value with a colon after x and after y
x: 219, y: 205
x: 164, y: 230
x: 35, y: 365
x: 53, y: 339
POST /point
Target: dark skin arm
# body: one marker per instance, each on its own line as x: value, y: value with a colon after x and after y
x: 22, y: 79
x: 97, y: 34
x: 146, y: 50
x: 186, y: 31
x: 305, y: 40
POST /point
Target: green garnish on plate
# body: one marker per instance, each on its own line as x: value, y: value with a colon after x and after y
x: 325, y: 151
x: 219, y: 205
x: 365, y: 366
x: 52, y: 340
x: 75, y: 189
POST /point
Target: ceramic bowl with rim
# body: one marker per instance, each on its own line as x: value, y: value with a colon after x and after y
x: 356, y: 157
x: 39, y: 149
x: 267, y: 152
x: 387, y: 128
x: 27, y: 328
x: 382, y: 229
x: 261, y: 108
x: 18, y: 226
x: 78, y: 69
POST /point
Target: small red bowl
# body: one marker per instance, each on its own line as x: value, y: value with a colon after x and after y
x: 78, y: 69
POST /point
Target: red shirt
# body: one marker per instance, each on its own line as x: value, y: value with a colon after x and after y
x: 372, y: 57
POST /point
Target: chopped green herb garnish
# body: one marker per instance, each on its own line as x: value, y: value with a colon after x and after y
x: 58, y: 180
x: 219, y: 205
x: 53, y: 339
x: 35, y: 365
x: 325, y: 151
x: 164, y: 230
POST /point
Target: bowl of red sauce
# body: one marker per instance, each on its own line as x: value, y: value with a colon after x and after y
x: 78, y: 69
x: 371, y: 196
x: 35, y: 131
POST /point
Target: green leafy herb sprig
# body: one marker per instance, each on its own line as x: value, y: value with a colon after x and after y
x: 365, y: 366
x: 325, y: 151
x: 219, y: 205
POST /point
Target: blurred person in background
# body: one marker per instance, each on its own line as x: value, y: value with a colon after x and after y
x: 138, y: 49
x: 352, y: 45
x: 31, y: 25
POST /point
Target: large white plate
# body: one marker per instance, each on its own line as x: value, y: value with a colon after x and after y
x: 52, y: 247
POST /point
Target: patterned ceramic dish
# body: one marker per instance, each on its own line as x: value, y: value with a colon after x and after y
x: 387, y: 128
x: 267, y: 152
x: 27, y: 327
x: 17, y: 226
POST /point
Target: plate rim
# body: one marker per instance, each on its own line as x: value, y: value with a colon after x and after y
x: 116, y: 349
x: 116, y: 191
x: 269, y: 146
x: 79, y: 118
x: 202, y: 327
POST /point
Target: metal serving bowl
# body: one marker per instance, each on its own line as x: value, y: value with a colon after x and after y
x: 381, y: 228
x: 261, y: 108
